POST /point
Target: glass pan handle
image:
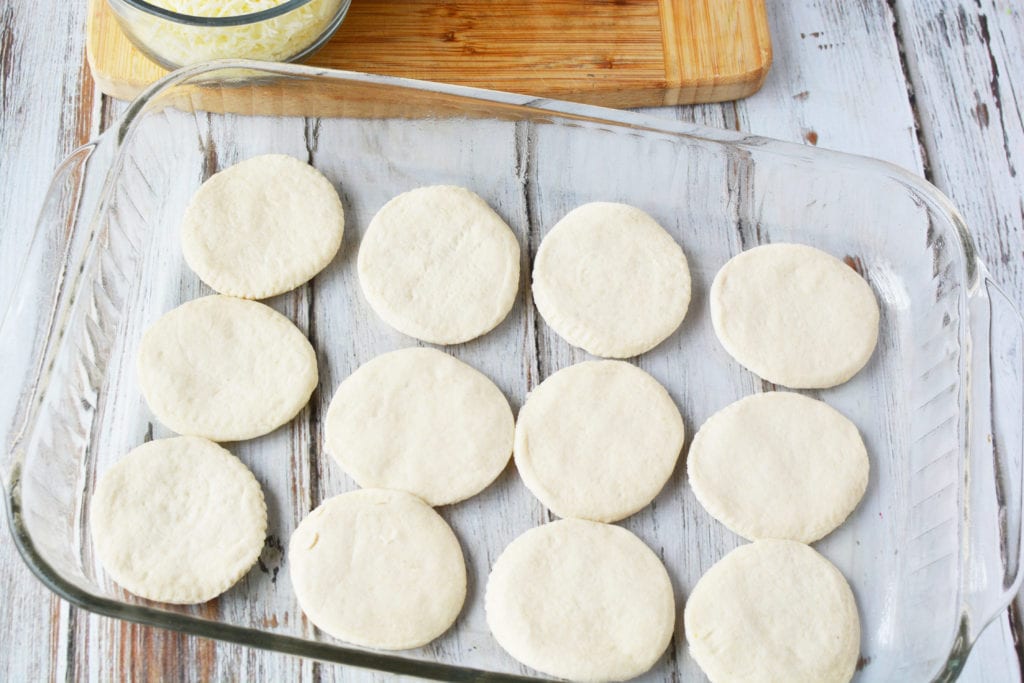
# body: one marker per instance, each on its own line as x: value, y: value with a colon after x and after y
x: 995, y: 474
x: 29, y: 313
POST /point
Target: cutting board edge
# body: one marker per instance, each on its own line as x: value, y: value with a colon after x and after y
x: 128, y: 83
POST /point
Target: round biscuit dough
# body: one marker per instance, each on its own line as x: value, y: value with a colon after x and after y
x: 778, y: 465
x: 178, y: 520
x: 794, y: 315
x: 379, y: 569
x: 773, y: 611
x: 418, y: 420
x: 438, y: 264
x: 262, y: 227
x: 598, y: 440
x: 611, y: 281
x: 226, y: 369
x: 581, y: 600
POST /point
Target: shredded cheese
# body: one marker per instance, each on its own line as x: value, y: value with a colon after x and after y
x: 274, y: 40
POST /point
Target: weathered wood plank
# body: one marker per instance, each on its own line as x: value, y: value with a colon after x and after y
x: 382, y: 159
x: 965, y: 61
x: 45, y: 112
x: 840, y: 69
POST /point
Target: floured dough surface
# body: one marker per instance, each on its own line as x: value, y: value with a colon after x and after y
x: 582, y: 601
x: 226, y: 369
x: 610, y: 280
x: 778, y: 465
x: 178, y: 520
x: 795, y: 315
x: 773, y: 611
x: 420, y: 421
x: 438, y: 264
x: 262, y: 227
x: 379, y: 569
x: 598, y: 440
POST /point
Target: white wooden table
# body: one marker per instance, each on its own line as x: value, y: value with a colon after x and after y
x: 936, y: 86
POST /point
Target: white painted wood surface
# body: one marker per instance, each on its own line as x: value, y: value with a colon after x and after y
x: 931, y: 85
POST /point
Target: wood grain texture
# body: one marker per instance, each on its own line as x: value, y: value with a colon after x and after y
x: 619, y: 54
x: 966, y: 61
x: 36, y: 132
x: 974, y: 139
x: 820, y: 90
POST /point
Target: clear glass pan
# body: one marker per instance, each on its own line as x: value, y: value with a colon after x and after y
x: 933, y: 551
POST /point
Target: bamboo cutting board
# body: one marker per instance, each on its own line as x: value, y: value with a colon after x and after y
x: 617, y: 53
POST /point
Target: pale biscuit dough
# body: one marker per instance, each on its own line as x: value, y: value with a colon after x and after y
x: 581, y: 600
x: 773, y: 611
x: 778, y: 465
x: 420, y: 421
x: 178, y: 520
x: 598, y: 440
x: 226, y: 369
x: 262, y: 227
x: 438, y: 264
x: 379, y: 569
x: 794, y: 315
x: 611, y: 281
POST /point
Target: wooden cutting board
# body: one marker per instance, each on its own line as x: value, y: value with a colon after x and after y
x: 616, y: 53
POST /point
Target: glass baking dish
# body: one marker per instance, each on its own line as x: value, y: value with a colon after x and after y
x: 933, y: 551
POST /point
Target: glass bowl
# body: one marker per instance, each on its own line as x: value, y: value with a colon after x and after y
x: 287, y: 32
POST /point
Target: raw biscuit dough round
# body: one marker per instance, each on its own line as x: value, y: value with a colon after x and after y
x: 598, y: 440
x: 226, y: 369
x: 773, y: 611
x: 581, y: 600
x: 379, y: 569
x: 420, y: 421
x: 262, y: 227
x: 778, y: 465
x: 178, y: 520
x: 794, y: 315
x: 438, y: 264
x: 611, y: 281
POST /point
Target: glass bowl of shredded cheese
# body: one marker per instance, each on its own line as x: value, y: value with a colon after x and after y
x: 177, y: 33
